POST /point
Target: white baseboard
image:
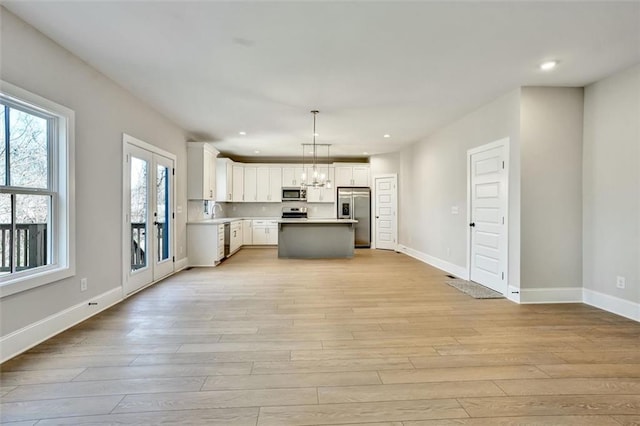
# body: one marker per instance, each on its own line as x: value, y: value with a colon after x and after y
x: 612, y: 304
x: 551, y: 295
x: 27, y: 337
x: 181, y: 264
x: 449, y: 267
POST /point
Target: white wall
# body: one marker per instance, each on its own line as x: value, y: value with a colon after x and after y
x: 551, y: 189
x: 384, y: 164
x: 433, y: 178
x: 611, y: 185
x: 103, y: 112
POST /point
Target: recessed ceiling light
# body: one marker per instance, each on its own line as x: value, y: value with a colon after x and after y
x: 256, y: 152
x: 548, y: 66
x: 386, y: 135
x: 316, y: 134
x: 365, y: 153
x: 242, y: 133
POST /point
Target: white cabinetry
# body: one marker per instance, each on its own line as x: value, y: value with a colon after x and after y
x: 251, y: 183
x: 262, y: 184
x: 238, y: 183
x: 352, y: 175
x: 247, y: 232
x: 269, y: 184
x: 235, y: 241
x: 201, y: 171
x: 224, y: 179
x: 205, y: 244
x: 291, y: 176
x: 265, y: 232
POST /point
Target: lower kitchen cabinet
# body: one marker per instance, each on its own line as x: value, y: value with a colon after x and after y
x: 235, y: 241
x: 205, y: 244
x: 265, y: 232
x: 247, y: 232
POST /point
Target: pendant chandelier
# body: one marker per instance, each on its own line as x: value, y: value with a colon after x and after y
x: 317, y: 178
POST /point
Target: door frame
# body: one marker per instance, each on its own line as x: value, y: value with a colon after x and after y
x: 126, y: 254
x: 374, y: 239
x: 504, y: 143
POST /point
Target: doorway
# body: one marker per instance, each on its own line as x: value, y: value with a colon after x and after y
x: 148, y: 217
x: 488, y: 176
x: 385, y: 206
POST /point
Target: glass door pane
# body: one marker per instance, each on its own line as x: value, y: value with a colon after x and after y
x: 139, y: 211
x: 162, y: 212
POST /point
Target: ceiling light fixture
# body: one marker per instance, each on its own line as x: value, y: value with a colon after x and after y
x: 318, y: 179
x: 256, y: 151
x: 386, y: 135
x: 242, y: 133
x: 548, y: 66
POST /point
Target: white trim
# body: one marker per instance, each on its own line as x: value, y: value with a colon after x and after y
x: 374, y: 233
x: 551, y: 295
x: 612, y: 304
x: 181, y: 264
x: 27, y: 337
x: 505, y: 143
x: 448, y: 267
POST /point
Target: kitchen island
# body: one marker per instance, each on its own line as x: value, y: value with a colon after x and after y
x: 316, y: 238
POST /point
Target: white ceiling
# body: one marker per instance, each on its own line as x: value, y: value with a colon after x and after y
x: 402, y: 68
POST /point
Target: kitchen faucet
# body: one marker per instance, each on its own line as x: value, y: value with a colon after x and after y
x: 213, y: 212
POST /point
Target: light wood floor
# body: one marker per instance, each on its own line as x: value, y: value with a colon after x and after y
x: 378, y: 340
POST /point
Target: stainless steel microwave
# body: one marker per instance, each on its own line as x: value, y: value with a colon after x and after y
x: 294, y: 194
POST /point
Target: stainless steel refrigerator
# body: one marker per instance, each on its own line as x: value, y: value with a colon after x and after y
x: 355, y: 203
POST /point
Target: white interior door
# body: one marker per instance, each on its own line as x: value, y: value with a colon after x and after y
x: 148, y: 216
x: 487, y: 215
x: 386, y: 205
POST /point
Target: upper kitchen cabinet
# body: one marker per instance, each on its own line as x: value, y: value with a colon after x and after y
x: 201, y: 171
x: 224, y: 179
x: 269, y: 184
x: 250, y: 183
x: 262, y: 184
x: 352, y: 175
x: 292, y: 176
x: 238, y: 182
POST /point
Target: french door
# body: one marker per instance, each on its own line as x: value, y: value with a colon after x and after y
x: 148, y: 214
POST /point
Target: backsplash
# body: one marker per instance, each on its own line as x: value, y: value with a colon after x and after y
x: 196, y: 210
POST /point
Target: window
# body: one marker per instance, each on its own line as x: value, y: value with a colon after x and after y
x: 36, y: 197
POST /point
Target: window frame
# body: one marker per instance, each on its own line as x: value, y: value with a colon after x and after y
x: 61, y: 188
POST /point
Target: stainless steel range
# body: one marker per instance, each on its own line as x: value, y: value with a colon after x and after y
x: 294, y: 212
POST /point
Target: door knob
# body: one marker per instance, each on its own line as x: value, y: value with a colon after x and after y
x: 472, y: 224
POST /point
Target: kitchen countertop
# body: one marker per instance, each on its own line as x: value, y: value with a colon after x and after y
x: 227, y: 220
x: 318, y: 220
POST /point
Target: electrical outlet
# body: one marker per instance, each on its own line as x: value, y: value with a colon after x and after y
x: 83, y: 284
x: 621, y: 282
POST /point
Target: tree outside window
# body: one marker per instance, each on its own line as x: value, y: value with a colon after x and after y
x: 26, y: 188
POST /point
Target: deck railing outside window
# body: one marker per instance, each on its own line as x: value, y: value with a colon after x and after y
x: 31, y: 246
